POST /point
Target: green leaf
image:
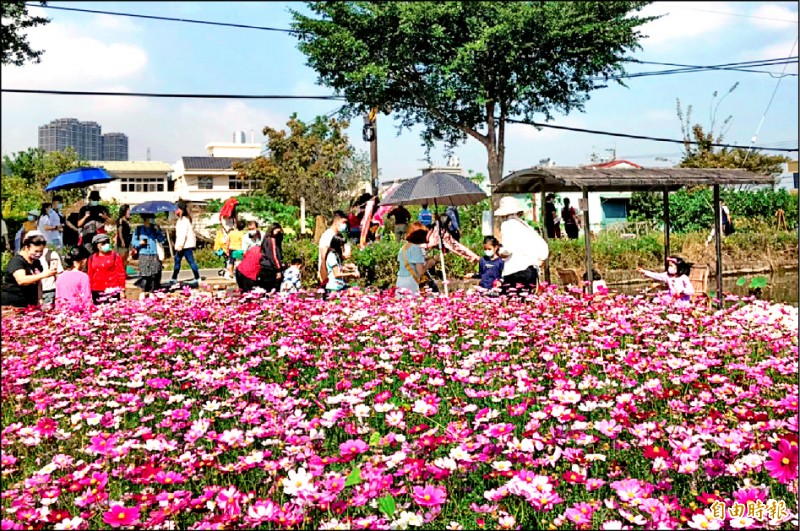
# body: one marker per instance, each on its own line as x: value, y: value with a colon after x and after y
x: 758, y: 282
x: 374, y: 439
x: 354, y: 478
x: 741, y: 281
x: 387, y: 505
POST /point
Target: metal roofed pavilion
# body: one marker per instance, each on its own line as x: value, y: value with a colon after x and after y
x: 589, y: 179
x: 564, y: 179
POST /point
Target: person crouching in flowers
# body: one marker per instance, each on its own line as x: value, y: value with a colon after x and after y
x: 337, y: 270
x: 676, y: 277
x: 490, y: 268
x: 106, y: 271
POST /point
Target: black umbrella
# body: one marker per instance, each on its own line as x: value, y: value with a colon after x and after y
x: 439, y: 188
x: 153, y: 207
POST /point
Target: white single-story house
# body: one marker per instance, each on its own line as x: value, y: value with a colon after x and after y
x: 137, y: 181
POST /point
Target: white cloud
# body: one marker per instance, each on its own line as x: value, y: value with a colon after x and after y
x: 782, y: 48
x: 72, y: 60
x: 681, y: 22
x: 774, y: 16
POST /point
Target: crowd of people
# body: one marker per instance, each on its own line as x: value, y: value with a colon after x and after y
x: 94, y: 268
x: 81, y: 257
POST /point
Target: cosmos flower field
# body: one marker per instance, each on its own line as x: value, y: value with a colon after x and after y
x: 373, y: 412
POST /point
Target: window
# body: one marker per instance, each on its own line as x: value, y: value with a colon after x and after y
x: 205, y: 183
x: 142, y: 184
x: 235, y: 183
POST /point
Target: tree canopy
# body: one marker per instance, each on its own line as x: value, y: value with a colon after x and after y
x: 27, y: 173
x: 16, y: 49
x: 461, y: 69
x: 313, y: 160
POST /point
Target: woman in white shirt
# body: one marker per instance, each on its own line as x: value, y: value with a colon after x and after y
x: 185, y: 242
x: 524, y: 250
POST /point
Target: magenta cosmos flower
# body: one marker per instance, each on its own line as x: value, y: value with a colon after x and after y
x: 782, y: 462
x: 429, y: 495
x: 118, y: 516
x: 353, y: 447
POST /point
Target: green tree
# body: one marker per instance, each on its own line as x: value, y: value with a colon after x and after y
x: 27, y: 173
x: 462, y: 69
x: 16, y: 49
x: 702, y: 154
x: 309, y: 160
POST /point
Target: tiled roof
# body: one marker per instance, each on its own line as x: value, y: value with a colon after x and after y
x: 131, y: 165
x: 211, y: 163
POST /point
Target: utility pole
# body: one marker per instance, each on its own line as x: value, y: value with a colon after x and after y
x: 370, y: 134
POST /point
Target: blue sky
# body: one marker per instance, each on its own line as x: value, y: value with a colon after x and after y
x: 100, y: 52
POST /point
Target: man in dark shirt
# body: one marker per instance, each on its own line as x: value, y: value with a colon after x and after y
x: 550, y: 216
x: 92, y: 218
x: 401, y: 218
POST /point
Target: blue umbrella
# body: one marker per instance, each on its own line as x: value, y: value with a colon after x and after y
x: 79, y: 178
x: 153, y: 207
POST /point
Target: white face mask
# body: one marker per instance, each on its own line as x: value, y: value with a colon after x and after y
x: 672, y: 270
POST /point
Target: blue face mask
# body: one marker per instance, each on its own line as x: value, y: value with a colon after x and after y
x: 31, y: 218
x: 106, y: 247
x: 94, y: 203
x: 343, y: 229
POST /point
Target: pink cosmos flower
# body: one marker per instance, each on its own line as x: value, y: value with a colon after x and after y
x: 782, y: 462
x: 118, y: 516
x: 580, y: 514
x: 352, y: 448
x: 429, y: 495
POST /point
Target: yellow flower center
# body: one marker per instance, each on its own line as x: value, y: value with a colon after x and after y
x: 121, y: 516
x: 785, y: 460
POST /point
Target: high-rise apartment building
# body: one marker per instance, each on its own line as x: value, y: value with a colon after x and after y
x: 115, y: 146
x: 85, y: 137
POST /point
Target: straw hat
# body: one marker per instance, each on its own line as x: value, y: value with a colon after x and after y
x: 509, y: 205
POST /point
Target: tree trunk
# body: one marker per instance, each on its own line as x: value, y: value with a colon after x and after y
x: 495, y: 149
x: 495, y: 168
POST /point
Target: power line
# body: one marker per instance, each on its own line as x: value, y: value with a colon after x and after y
x: 763, y: 116
x: 274, y: 96
x: 157, y: 95
x: 169, y: 19
x: 640, y: 137
x: 738, y: 67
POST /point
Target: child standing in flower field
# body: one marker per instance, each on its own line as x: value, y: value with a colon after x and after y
x: 676, y: 277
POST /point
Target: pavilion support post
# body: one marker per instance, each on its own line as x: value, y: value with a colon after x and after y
x: 587, y: 240
x: 544, y: 235
x: 666, y: 226
x: 718, y: 242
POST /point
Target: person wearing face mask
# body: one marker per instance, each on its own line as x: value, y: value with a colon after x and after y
x: 676, y: 277
x: 92, y: 219
x: 50, y: 224
x: 272, y: 265
x: 24, y: 273
x: 106, y: 271
x: 48, y: 260
x: 123, y: 235
x: 252, y: 238
x: 144, y: 241
x: 338, y: 226
x: 490, y: 267
x: 185, y: 243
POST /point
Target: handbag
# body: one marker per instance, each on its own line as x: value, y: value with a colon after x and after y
x: 419, y: 280
x: 160, y: 250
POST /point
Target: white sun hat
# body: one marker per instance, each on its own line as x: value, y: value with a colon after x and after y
x: 509, y: 205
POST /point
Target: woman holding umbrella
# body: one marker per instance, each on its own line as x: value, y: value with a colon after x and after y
x: 144, y: 240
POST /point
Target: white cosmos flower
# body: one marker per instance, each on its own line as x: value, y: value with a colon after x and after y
x: 297, y: 481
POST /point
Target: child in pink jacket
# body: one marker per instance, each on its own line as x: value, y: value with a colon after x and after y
x: 676, y: 277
